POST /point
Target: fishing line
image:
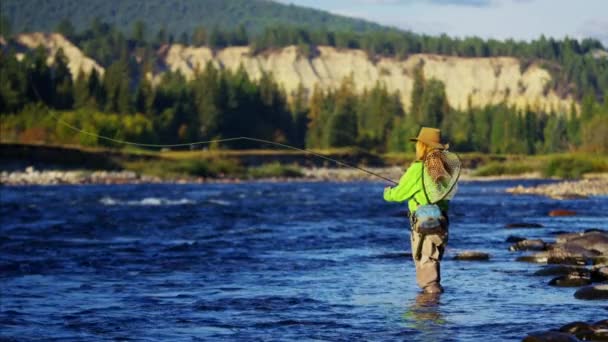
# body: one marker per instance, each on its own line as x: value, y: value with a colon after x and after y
x: 203, y: 142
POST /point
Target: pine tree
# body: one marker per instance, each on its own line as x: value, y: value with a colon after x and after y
x: 63, y: 93
x: 314, y: 133
x: 81, y: 90
x: 417, y: 93
x: 342, y: 126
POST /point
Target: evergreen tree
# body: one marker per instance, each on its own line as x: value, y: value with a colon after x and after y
x: 342, y: 126
x: 417, y: 93
x: 63, y: 94
x: 81, y: 90
x: 314, y: 134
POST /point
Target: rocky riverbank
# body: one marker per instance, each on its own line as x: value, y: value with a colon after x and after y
x: 596, y: 186
x: 31, y: 176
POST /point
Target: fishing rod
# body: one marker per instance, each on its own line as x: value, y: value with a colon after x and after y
x: 203, y: 142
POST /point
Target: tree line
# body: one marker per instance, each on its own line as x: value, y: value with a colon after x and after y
x: 219, y: 103
x: 572, y: 63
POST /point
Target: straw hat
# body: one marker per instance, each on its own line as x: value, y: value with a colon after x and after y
x: 431, y: 137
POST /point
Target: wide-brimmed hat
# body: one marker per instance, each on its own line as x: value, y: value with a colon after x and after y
x: 431, y: 137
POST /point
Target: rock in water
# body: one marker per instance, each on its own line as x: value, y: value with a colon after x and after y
x: 524, y: 225
x: 562, y: 212
x: 514, y: 239
x: 472, y: 256
x: 592, y: 292
x: 556, y: 270
x: 550, y: 336
x: 570, y: 280
x: 529, y: 245
x: 599, y: 274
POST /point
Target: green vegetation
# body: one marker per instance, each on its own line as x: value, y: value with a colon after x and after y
x: 574, y: 166
x: 171, y: 19
x: 218, y: 103
x: 140, y: 27
x: 166, y: 168
x: 560, y: 165
x: 504, y: 168
x: 275, y: 169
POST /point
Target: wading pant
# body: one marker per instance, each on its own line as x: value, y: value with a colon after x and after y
x: 427, y: 251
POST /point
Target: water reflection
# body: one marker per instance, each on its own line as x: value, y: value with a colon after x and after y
x: 424, y: 315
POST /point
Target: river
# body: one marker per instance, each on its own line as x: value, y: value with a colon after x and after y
x: 271, y: 261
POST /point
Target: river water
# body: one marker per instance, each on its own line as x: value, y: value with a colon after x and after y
x: 271, y: 261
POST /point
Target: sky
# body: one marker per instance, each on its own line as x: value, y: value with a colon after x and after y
x: 499, y: 19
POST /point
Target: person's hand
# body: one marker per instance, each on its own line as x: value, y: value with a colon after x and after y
x: 386, y: 188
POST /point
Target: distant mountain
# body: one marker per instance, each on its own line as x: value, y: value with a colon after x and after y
x: 176, y: 17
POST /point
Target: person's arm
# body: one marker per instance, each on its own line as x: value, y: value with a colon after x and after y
x: 408, y: 185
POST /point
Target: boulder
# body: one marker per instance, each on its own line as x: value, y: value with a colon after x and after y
x: 529, y: 245
x: 592, y: 292
x: 599, y: 274
x: 556, y: 270
x: 513, y: 239
x: 571, y: 280
x: 581, y: 330
x: 538, y: 258
x: 575, y: 331
x: 595, y: 240
x: 472, y: 256
x: 550, y: 336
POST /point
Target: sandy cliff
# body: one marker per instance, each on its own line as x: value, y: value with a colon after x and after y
x: 482, y: 80
x: 52, y: 42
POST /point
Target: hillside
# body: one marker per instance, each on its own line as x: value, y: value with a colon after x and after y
x: 482, y: 81
x: 176, y: 17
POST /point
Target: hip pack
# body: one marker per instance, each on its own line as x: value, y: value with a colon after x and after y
x: 428, y: 219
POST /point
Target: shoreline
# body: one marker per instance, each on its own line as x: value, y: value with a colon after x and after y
x: 591, y: 185
x: 31, y: 176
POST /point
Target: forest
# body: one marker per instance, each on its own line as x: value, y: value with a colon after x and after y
x: 218, y: 103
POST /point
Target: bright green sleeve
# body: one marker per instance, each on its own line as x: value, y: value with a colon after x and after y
x: 409, y: 184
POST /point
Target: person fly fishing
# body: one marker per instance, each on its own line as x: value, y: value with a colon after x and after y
x: 428, y: 185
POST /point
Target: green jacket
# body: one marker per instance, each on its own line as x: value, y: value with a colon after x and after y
x: 410, y: 189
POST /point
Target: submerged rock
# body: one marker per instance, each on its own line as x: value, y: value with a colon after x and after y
x: 592, y: 292
x: 524, y: 225
x: 472, y: 256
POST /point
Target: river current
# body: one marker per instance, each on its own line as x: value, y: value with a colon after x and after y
x: 272, y: 261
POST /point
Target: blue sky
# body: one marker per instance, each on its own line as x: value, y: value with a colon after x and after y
x: 500, y: 19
